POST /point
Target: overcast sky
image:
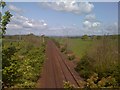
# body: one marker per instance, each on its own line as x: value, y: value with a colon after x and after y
x: 63, y: 18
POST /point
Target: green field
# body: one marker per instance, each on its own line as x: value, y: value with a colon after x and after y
x: 79, y: 46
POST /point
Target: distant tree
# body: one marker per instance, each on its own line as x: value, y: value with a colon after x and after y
x: 4, y: 18
x: 94, y: 37
x: 114, y: 36
x: 99, y: 37
x: 85, y: 37
x: 30, y: 34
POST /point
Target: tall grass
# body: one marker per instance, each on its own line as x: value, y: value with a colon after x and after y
x: 101, y: 58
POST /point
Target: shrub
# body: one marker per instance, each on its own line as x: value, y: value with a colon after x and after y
x: 71, y: 56
x: 102, y: 59
x: 21, y: 69
x: 9, y: 66
x: 84, y: 67
x: 63, y: 48
x: 68, y: 86
x: 95, y: 82
x: 30, y: 67
x: 85, y: 37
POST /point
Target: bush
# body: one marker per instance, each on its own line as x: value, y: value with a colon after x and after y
x: 71, y: 56
x: 9, y: 66
x: 95, y: 82
x: 84, y: 67
x: 63, y: 48
x: 21, y: 69
x: 85, y: 37
x: 68, y: 86
x: 116, y: 74
x: 30, y: 68
x: 102, y: 59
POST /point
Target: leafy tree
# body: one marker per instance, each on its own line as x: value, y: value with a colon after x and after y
x: 94, y: 37
x: 99, y: 37
x: 4, y: 19
x: 85, y: 37
x: 2, y: 4
x: 9, y: 66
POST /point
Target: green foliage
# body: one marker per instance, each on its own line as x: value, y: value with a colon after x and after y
x: 71, y: 56
x: 99, y: 37
x: 63, y: 48
x: 95, y: 82
x: 79, y: 47
x: 84, y: 67
x: 2, y: 4
x: 91, y: 82
x: 30, y: 68
x: 101, y: 58
x: 94, y: 37
x: 5, y: 18
x: 68, y: 86
x: 7, y: 53
x: 85, y: 37
x: 9, y: 66
x: 116, y: 74
x: 22, y: 64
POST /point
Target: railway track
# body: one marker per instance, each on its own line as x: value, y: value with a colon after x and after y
x: 56, y: 70
x: 68, y: 68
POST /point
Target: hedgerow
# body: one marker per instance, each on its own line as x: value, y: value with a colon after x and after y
x: 21, y: 64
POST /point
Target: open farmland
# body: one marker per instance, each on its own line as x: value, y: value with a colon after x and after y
x: 78, y: 46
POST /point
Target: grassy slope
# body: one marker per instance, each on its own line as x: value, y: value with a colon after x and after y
x: 79, y: 46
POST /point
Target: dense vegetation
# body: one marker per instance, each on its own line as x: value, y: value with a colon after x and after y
x: 75, y: 47
x: 99, y: 60
x: 22, y: 60
x: 4, y: 18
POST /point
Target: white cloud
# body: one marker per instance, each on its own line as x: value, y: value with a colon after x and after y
x: 25, y: 25
x: 95, y: 24
x: 20, y: 24
x: 33, y: 27
x: 45, y: 24
x: 14, y: 26
x: 70, y: 6
x: 90, y: 22
x: 90, y: 17
x: 111, y: 28
x: 91, y: 25
x: 14, y: 8
x: 87, y: 24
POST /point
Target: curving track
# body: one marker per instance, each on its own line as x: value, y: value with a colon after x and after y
x: 57, y: 69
